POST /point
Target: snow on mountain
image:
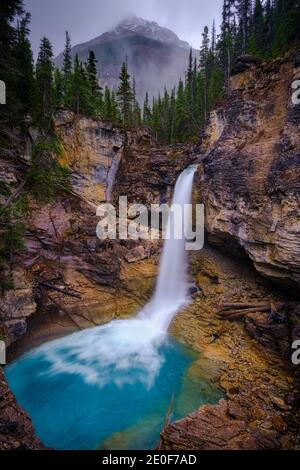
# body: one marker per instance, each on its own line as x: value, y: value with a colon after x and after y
x: 156, y: 57
x: 149, y: 29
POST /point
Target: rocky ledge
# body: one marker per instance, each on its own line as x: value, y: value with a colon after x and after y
x: 248, y: 179
x: 246, y: 354
x: 249, y: 173
x: 16, y: 431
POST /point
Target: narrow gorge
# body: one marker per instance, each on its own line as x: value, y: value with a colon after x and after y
x: 231, y: 319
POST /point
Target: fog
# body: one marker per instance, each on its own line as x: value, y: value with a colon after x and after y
x: 90, y: 18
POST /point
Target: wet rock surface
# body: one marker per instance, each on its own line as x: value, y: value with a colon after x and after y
x: 93, y: 150
x: 16, y: 431
x: 148, y: 172
x: 248, y: 178
x: 250, y: 170
x: 252, y: 357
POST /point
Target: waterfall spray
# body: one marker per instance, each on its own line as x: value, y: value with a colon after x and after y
x: 171, y: 291
x: 109, y: 353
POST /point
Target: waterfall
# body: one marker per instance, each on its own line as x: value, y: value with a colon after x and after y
x: 171, y: 291
x: 126, y: 350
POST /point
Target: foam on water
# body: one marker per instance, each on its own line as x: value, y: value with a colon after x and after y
x: 107, y: 352
x: 126, y: 355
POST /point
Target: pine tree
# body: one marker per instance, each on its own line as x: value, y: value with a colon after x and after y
x: 173, y: 116
x: 125, y: 95
x: 95, y: 88
x: 268, y: 27
x: 146, y: 111
x: 195, y: 73
x: 213, y: 38
x: 244, y: 16
x: 155, y: 118
x: 80, y: 89
x: 110, y: 110
x: 76, y: 85
x: 107, y: 106
x: 58, y: 90
x: 136, y: 111
x: 181, y: 116
x: 190, y: 86
x: 9, y: 12
x: 45, y: 89
x: 115, y: 113
x: 67, y: 72
x: 165, y: 118
x: 24, y: 75
x: 257, y: 35
x: 286, y: 25
x: 67, y: 65
x: 203, y: 67
x: 215, y: 87
x: 226, y: 42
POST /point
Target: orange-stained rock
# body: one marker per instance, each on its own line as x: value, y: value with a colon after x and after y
x: 249, y: 177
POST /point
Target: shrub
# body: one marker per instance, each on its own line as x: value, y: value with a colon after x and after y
x: 47, y: 177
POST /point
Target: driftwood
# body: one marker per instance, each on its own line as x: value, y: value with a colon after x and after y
x: 237, y: 310
x: 242, y: 305
x: 243, y: 311
x: 62, y: 290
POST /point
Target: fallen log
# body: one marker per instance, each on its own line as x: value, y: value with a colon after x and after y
x: 243, y: 305
x: 237, y: 310
x: 62, y: 290
x: 240, y: 305
x: 244, y: 311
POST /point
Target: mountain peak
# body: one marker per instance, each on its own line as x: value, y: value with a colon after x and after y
x: 150, y: 29
x: 155, y: 55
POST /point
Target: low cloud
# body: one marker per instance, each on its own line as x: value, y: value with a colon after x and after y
x: 86, y: 20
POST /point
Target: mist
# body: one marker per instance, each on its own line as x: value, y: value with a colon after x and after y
x: 89, y: 19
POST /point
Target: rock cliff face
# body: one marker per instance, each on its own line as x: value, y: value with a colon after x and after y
x: 16, y: 431
x: 248, y: 357
x: 92, y: 150
x: 106, y: 163
x: 148, y: 172
x: 249, y: 177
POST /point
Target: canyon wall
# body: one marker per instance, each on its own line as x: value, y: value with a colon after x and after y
x: 106, y: 162
x: 249, y: 172
x: 248, y: 179
x: 92, y: 150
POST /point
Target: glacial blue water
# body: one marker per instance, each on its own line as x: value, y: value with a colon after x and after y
x: 120, y: 409
x: 111, y: 386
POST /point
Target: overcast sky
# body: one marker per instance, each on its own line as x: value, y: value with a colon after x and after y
x: 86, y: 19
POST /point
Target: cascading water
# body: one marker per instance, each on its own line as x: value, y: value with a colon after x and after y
x: 109, y: 352
x: 81, y: 389
x: 171, y: 291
